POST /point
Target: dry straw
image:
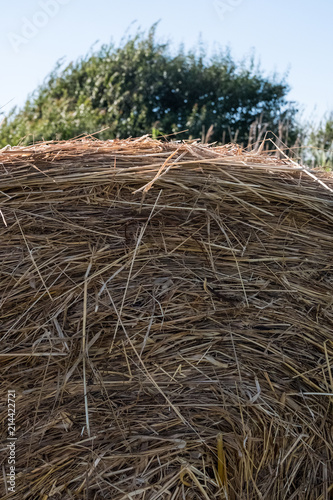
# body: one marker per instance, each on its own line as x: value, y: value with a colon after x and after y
x: 166, y: 322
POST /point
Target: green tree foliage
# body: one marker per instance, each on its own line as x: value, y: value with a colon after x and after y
x: 142, y: 87
x: 321, y: 144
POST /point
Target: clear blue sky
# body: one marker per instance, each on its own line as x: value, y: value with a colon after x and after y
x: 287, y: 35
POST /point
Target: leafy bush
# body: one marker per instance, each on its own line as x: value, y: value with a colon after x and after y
x: 141, y: 86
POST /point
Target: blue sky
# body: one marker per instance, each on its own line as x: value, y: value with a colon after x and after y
x: 293, y: 36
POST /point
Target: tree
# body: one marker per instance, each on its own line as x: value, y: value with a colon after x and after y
x: 141, y: 86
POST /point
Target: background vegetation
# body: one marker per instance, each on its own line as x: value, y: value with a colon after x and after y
x: 143, y: 87
x: 320, y: 144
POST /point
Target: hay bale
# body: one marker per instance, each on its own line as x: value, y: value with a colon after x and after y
x: 166, y: 322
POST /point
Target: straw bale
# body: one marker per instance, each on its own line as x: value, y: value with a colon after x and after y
x: 166, y: 322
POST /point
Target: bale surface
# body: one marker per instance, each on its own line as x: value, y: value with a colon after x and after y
x: 166, y: 322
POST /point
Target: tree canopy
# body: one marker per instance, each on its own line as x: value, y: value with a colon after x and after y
x: 143, y: 86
